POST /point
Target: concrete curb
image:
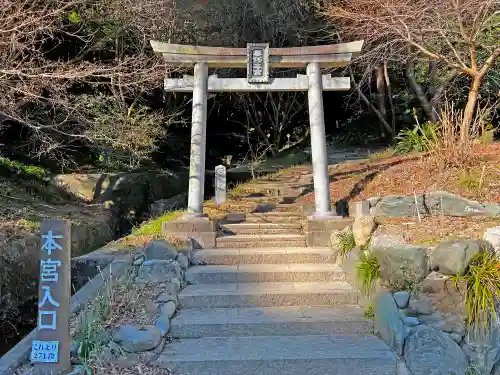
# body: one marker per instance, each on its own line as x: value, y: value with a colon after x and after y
x: 18, y: 355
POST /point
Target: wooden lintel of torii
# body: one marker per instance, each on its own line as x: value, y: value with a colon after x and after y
x: 216, y: 84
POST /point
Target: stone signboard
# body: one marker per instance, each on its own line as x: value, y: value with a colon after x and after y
x: 50, y: 351
x: 258, y: 63
x: 220, y: 185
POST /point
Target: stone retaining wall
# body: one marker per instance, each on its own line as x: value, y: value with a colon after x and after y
x: 424, y: 321
x: 431, y: 203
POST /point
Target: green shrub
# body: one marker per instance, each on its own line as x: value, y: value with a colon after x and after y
x: 369, y: 312
x: 482, y: 282
x: 346, y: 242
x: 154, y: 226
x: 421, y: 138
x: 368, y: 272
x: 472, y: 370
x: 12, y: 167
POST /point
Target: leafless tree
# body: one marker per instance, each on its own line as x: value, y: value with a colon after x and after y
x: 268, y: 117
x: 271, y: 120
x: 459, y: 37
x: 49, y: 46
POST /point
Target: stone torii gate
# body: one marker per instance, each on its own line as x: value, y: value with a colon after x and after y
x: 258, y: 58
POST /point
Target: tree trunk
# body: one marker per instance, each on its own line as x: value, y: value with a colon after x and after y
x: 471, y: 106
x: 381, y: 91
x: 381, y: 118
x: 419, y: 93
x: 389, y: 96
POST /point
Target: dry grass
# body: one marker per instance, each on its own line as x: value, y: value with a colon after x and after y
x: 123, y: 302
x: 140, y: 369
x: 436, y: 229
x: 418, y: 173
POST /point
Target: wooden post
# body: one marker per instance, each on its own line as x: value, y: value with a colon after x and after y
x: 50, y: 351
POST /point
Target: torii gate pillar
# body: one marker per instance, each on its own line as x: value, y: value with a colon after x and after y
x: 198, y: 141
x: 318, y: 142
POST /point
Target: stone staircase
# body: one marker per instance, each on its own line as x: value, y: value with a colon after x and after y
x: 272, y: 311
x: 264, y: 303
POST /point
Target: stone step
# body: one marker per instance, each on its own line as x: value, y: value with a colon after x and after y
x: 272, y: 355
x: 254, y: 273
x: 264, y: 255
x: 261, y: 240
x: 288, y: 207
x: 263, y: 228
x: 273, y: 217
x: 270, y: 321
x: 267, y: 294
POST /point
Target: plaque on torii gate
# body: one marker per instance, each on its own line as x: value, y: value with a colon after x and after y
x: 258, y: 59
x: 258, y: 63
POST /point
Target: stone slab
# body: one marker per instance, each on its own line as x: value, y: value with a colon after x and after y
x: 261, y: 240
x: 270, y: 321
x: 231, y: 256
x: 263, y: 228
x: 318, y: 231
x: 255, y: 243
x: 267, y: 294
x: 388, y: 322
x: 188, y: 226
x: 261, y: 237
x: 264, y: 273
x: 299, y: 83
x: 291, y: 355
x: 199, y: 229
x: 273, y: 217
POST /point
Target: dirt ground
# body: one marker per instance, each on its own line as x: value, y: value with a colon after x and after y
x: 406, y: 175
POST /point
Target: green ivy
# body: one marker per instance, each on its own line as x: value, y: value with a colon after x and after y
x: 74, y: 18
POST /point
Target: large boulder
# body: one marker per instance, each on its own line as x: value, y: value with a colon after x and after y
x: 453, y: 257
x: 388, y: 322
x: 496, y: 369
x: 160, y: 250
x: 135, y: 339
x: 159, y: 271
x: 384, y: 238
x: 492, y: 235
x: 448, y: 204
x: 399, y: 206
x: 402, y: 298
x: 429, y: 351
x: 362, y: 229
x: 402, y: 266
x: 492, y: 209
x: 483, y: 350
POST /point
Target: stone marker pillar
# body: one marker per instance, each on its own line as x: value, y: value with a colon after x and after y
x: 318, y: 142
x: 50, y: 351
x: 220, y: 185
x: 198, y: 141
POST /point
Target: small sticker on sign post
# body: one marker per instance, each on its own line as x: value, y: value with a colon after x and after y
x: 45, y: 351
